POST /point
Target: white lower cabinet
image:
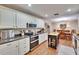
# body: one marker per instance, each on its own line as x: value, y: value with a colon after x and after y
x: 9, y: 48
x: 43, y: 37
x: 46, y: 36
x: 40, y: 38
x: 19, y: 47
x: 24, y: 46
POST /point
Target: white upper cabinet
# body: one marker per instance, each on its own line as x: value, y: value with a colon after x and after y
x: 31, y: 19
x: 10, y: 18
x: 21, y: 20
x: 7, y: 17
x: 40, y: 23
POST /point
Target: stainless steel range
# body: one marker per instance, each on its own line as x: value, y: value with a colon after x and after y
x: 33, y: 41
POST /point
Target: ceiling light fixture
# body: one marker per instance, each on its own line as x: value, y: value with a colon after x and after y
x: 68, y: 10
x: 29, y: 5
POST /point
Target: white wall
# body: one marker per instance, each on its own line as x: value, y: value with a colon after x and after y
x: 73, y: 24
x: 50, y: 24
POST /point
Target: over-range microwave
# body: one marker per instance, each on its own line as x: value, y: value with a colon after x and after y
x: 31, y: 25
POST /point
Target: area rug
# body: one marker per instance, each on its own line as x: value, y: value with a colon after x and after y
x: 65, y: 50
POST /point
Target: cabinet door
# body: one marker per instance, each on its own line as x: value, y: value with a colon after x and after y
x: 45, y: 36
x: 3, y: 50
x: 42, y: 37
x: 27, y: 44
x: 24, y: 46
x: 12, y: 48
x: 40, y: 23
x: 9, y: 48
x: 21, y: 20
x: 7, y: 18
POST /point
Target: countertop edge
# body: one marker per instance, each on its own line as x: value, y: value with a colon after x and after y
x: 18, y: 38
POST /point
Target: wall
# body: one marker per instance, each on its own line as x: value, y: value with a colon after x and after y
x: 73, y: 24
x: 50, y: 24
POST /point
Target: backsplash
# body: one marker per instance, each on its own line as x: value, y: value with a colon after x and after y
x: 5, y: 34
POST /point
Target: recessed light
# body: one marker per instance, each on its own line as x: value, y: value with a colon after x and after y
x: 68, y: 10
x: 46, y: 15
x: 29, y: 5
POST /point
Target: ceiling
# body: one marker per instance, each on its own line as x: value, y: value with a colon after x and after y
x: 47, y: 11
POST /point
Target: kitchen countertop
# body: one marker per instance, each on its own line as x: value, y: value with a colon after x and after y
x: 4, y: 41
x: 12, y: 39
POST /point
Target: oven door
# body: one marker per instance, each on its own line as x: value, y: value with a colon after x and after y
x: 34, y: 38
x: 33, y: 44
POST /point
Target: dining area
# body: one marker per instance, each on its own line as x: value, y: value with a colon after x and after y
x: 56, y: 36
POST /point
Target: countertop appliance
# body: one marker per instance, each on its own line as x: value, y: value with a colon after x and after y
x: 17, y: 34
x: 33, y: 41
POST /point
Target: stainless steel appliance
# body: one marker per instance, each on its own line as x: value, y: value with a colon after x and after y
x: 17, y: 33
x: 31, y: 25
x: 28, y: 33
x: 33, y: 41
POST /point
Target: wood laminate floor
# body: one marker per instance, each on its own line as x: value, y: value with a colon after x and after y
x: 43, y: 49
